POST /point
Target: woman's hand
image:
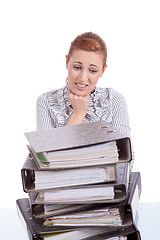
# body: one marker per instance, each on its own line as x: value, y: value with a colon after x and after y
x: 80, y: 107
x: 79, y: 103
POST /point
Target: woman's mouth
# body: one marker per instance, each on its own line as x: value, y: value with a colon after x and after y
x: 81, y: 86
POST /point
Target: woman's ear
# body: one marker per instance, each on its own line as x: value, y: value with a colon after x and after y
x: 104, y: 70
x: 67, y: 61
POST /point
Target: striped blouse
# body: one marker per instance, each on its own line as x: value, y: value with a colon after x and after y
x: 54, y: 109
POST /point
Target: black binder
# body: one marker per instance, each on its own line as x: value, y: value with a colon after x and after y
x: 35, y: 228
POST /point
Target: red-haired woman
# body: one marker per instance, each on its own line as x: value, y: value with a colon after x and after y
x: 80, y: 101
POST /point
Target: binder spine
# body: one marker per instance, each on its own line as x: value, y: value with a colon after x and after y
x: 135, y: 192
x: 126, y: 175
x: 29, y: 227
x: 123, y: 176
x: 28, y: 174
x: 135, y: 181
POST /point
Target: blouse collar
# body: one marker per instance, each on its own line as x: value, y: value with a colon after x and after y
x: 97, y: 104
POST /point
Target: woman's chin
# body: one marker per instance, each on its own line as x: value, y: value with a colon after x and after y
x: 80, y: 92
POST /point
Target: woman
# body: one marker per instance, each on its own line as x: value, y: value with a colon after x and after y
x: 80, y: 101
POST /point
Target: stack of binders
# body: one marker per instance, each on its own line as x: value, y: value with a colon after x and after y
x: 79, y: 185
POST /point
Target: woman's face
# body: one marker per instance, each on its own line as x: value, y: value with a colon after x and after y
x: 84, y: 70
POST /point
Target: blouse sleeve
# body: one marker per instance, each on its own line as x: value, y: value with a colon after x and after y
x: 44, y: 119
x: 120, y: 118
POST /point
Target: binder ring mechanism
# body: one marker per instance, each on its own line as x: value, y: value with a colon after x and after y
x: 108, y: 128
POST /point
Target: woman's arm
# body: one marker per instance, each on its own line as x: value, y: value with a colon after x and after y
x: 44, y: 120
x: 120, y: 118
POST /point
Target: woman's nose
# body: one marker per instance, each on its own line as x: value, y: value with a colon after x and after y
x: 83, y: 76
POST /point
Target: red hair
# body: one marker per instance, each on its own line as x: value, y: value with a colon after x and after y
x: 89, y: 42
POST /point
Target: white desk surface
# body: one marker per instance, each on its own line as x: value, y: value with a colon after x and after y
x: 148, y: 223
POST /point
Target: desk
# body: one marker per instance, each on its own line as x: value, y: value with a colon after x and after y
x: 148, y: 223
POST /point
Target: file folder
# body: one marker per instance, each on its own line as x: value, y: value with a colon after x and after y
x: 130, y: 203
x: 127, y: 208
x: 80, y: 135
x: 120, y: 185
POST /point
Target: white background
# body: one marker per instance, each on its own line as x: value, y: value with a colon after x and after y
x: 35, y: 37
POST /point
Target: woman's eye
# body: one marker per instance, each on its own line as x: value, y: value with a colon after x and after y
x: 76, y: 67
x: 92, y: 70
